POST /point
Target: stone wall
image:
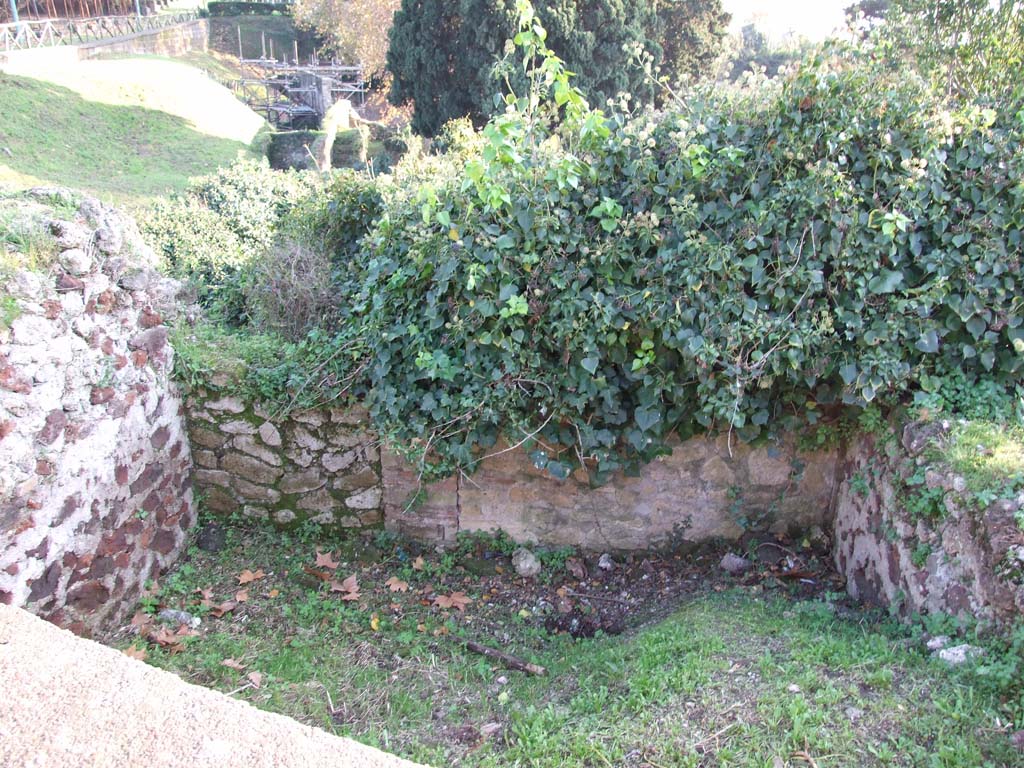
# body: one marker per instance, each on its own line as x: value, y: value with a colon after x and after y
x: 94, y: 494
x: 968, y: 563
x: 173, y: 41
x: 704, y: 490
x: 322, y: 466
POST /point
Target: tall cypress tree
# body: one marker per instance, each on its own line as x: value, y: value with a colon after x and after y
x: 442, y: 53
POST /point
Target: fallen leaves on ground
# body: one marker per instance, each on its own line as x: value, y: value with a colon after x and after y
x: 395, y: 584
x: 217, y: 611
x: 457, y: 600
x: 256, y: 678
x: 576, y: 567
x: 349, y: 588
x: 135, y: 653
x: 241, y: 595
x: 418, y: 563
x: 233, y: 664
x: 325, y: 560
x: 317, y: 573
x: 248, y: 576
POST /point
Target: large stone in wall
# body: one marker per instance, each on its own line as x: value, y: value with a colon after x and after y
x: 969, y: 563
x: 95, y: 492
x: 707, y: 489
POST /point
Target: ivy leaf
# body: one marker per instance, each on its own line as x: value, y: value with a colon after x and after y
x: 849, y: 373
x: 590, y: 364
x: 886, y: 282
x: 929, y: 342
x: 647, y: 418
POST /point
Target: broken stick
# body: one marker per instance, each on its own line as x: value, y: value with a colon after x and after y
x: 510, y: 661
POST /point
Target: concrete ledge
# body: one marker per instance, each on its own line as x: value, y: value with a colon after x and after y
x: 72, y: 702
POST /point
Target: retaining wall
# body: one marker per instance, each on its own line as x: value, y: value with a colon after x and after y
x: 95, y: 493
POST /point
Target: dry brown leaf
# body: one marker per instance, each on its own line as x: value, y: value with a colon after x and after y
x: 135, y: 653
x: 273, y: 593
x: 232, y: 664
x: 226, y: 607
x: 142, y: 622
x: 421, y: 627
x: 349, y: 588
x: 395, y: 584
x: 576, y: 567
x: 256, y: 678
x: 322, y: 575
x: 457, y: 600
x: 418, y: 563
x: 247, y: 576
x: 324, y: 560
x: 241, y: 595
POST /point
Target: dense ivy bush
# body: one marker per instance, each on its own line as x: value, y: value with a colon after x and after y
x: 749, y: 262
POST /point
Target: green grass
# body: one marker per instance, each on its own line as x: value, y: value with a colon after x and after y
x: 731, y: 678
x: 989, y: 456
x: 125, y: 130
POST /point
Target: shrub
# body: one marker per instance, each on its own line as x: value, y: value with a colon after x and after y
x: 749, y: 262
x: 222, y: 223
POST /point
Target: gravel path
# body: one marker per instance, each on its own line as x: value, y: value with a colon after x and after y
x: 67, y: 702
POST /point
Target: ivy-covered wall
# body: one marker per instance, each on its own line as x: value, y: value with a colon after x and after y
x: 326, y: 466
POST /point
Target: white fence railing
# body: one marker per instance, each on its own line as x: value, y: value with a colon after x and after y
x: 42, y: 33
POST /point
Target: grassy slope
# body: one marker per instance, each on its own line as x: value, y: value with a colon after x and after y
x: 729, y: 679
x: 127, y: 130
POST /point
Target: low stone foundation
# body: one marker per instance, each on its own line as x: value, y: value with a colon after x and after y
x: 969, y: 563
x: 326, y: 466
x: 95, y: 495
x: 705, y: 490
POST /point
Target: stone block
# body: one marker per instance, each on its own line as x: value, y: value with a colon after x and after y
x: 319, y: 501
x: 252, y: 492
x: 248, y: 444
x: 302, y: 482
x: 212, y: 477
x: 270, y: 435
x: 368, y: 499
x: 250, y: 468
x: 227, y: 404
x: 337, y: 462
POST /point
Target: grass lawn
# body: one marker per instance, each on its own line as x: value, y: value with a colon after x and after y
x: 706, y: 669
x: 127, y: 130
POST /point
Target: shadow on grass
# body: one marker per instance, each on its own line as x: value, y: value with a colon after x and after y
x: 52, y: 134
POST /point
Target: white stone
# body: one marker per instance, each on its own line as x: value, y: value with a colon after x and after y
x: 958, y: 654
x: 238, y: 427
x: 76, y: 261
x: 525, y: 562
x: 368, y: 499
x: 284, y: 516
x: 269, y: 434
x: 31, y: 329
x: 229, y: 404
x: 734, y: 564
x: 336, y: 462
x: 938, y: 642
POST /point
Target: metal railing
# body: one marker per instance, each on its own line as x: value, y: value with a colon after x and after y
x: 43, y: 33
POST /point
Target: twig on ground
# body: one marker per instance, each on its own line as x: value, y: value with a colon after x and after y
x: 510, y: 661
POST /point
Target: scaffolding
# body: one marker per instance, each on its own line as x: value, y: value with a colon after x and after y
x: 295, y: 94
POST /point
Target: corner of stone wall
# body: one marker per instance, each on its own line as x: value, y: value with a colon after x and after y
x: 967, y: 563
x: 95, y: 495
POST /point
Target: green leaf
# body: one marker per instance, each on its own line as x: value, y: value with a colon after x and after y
x: 887, y: 281
x: 590, y: 364
x: 646, y: 418
x: 928, y: 342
